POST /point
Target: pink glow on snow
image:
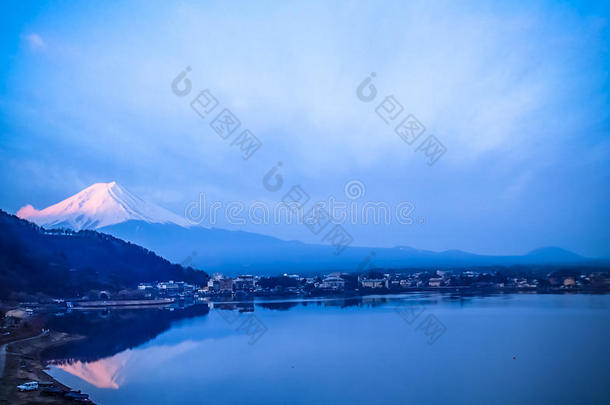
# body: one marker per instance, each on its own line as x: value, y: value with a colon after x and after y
x: 99, y: 205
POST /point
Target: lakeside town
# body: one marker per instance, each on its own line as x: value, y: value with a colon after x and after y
x: 375, y: 282
x: 246, y: 286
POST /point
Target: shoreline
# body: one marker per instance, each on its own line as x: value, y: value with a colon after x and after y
x: 23, y: 363
x: 456, y: 291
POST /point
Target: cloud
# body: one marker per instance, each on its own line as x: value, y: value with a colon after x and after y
x: 481, y: 82
x: 35, y: 41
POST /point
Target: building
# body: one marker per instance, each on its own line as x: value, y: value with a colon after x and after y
x: 16, y: 313
x: 569, y: 282
x: 189, y: 288
x: 225, y: 285
x: 244, y: 283
x: 435, y: 282
x: 168, y: 288
x: 213, y: 285
x: 374, y: 283
x: 333, y: 283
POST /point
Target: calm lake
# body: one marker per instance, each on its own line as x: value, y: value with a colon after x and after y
x: 506, y: 349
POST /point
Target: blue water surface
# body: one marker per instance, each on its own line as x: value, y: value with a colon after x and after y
x: 506, y: 349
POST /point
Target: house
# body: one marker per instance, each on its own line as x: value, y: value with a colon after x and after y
x: 435, y: 282
x: 225, y: 285
x: 374, y: 283
x: 188, y: 288
x: 213, y: 285
x: 333, y: 283
x: 404, y: 283
x: 16, y: 313
x: 244, y: 283
x: 168, y: 288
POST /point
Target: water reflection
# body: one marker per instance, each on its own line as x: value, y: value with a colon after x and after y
x: 110, y: 331
x: 106, y: 373
x: 186, y: 355
x: 111, y: 372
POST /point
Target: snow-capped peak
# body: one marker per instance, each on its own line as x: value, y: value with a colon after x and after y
x: 99, y: 205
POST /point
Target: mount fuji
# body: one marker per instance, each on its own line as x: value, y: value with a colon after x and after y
x: 97, y: 206
x: 111, y: 209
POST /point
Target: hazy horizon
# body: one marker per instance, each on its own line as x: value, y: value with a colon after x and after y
x: 41, y: 216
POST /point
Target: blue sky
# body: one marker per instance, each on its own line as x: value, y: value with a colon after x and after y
x: 518, y: 94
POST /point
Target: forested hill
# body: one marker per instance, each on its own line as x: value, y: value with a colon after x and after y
x: 63, y: 263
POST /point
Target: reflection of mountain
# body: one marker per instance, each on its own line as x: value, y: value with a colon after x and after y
x: 115, y: 351
x: 111, y: 372
x: 105, y: 373
x: 113, y: 331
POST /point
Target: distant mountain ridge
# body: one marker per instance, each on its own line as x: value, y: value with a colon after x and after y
x: 554, y: 253
x: 110, y: 208
x: 234, y: 252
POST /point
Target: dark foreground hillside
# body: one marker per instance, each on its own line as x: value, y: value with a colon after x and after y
x: 63, y: 263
